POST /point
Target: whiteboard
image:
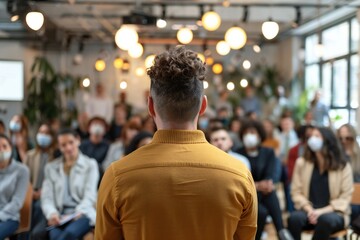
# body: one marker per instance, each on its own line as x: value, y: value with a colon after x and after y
x: 11, y: 80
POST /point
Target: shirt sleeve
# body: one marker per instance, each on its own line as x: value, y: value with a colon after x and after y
x: 246, y: 229
x: 271, y: 165
x: 12, y: 208
x: 108, y: 225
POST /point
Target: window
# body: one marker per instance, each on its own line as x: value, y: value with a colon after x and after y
x: 336, y: 70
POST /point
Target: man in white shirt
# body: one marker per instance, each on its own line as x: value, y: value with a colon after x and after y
x: 100, y: 105
x: 220, y: 138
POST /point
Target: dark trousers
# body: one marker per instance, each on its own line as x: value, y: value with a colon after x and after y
x: 355, y: 212
x: 73, y: 230
x: 326, y: 225
x: 7, y: 228
x: 268, y: 205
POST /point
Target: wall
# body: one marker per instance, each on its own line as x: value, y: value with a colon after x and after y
x: 11, y: 50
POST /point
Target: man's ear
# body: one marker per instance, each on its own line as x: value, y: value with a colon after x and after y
x: 151, y: 106
x: 203, y: 105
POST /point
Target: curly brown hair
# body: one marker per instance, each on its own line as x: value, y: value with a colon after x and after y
x: 176, y: 84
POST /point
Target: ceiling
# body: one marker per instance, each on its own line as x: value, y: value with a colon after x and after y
x: 98, y: 20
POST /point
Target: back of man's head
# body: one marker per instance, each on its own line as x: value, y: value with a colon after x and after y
x: 176, y: 84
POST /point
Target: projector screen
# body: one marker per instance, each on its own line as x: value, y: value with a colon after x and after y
x: 11, y: 80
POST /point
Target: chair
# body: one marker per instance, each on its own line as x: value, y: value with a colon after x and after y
x: 25, y: 213
x: 354, y: 200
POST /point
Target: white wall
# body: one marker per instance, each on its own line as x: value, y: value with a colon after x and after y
x: 11, y: 50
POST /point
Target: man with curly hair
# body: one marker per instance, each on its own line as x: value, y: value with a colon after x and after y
x: 179, y: 186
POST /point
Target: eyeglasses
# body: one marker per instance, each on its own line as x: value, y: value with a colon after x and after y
x: 348, y: 139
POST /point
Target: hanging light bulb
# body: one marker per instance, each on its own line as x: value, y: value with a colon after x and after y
x: 139, y: 71
x: 35, y: 20
x: 222, y: 48
x: 86, y: 82
x: 205, y: 84
x: 246, y: 64
x: 123, y: 85
x: 100, y: 65
x: 118, y: 62
x: 126, y: 37
x: 217, y: 68
x: 270, y: 29
x: 230, y: 86
x: 209, y: 61
x: 211, y: 21
x: 136, y: 50
x: 244, y: 83
x: 126, y: 65
x: 14, y: 17
x: 236, y: 37
x: 149, y: 61
x: 161, y: 23
x: 256, y: 48
x: 184, y: 35
x: 201, y: 56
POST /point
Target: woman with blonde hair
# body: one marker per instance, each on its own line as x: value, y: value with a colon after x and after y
x: 347, y: 136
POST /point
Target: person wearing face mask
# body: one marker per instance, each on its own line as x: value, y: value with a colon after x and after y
x: 19, y: 135
x: 14, y: 181
x: 69, y: 192
x: 96, y: 146
x: 35, y: 161
x: 263, y: 168
x: 322, y: 187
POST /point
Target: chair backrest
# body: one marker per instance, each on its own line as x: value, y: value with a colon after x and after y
x: 356, y: 194
x: 25, y: 212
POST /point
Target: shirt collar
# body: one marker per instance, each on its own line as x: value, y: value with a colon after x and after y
x: 179, y: 136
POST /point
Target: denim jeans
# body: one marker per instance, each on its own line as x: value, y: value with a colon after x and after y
x: 8, y: 228
x: 71, y: 231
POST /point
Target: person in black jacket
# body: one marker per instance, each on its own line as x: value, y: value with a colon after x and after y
x: 263, y: 168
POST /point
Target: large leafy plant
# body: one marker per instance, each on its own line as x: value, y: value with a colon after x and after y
x: 43, y: 96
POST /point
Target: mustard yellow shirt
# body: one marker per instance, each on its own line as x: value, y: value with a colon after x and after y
x: 178, y: 187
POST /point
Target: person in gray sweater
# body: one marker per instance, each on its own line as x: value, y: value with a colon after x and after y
x: 14, y: 181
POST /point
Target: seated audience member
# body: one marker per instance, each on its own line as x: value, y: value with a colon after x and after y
x: 2, y: 127
x: 347, y: 135
x: 321, y: 188
x: 270, y: 140
x: 298, y: 150
x: 148, y: 125
x: 263, y: 163
x: 19, y: 135
x: 100, y: 105
x: 288, y: 139
x: 69, y: 189
x: 220, y: 138
x: 120, y: 116
x: 36, y: 159
x: 234, y: 130
x: 14, y: 181
x: 139, y: 140
x: 96, y: 146
x: 82, y: 126
x: 117, y: 149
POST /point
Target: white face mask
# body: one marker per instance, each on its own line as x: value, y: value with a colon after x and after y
x: 97, y: 129
x: 250, y: 140
x: 5, y: 156
x: 15, y: 126
x: 315, y: 143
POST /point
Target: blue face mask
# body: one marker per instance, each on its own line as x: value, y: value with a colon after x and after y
x: 43, y: 140
x: 15, y: 126
x: 203, y: 123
